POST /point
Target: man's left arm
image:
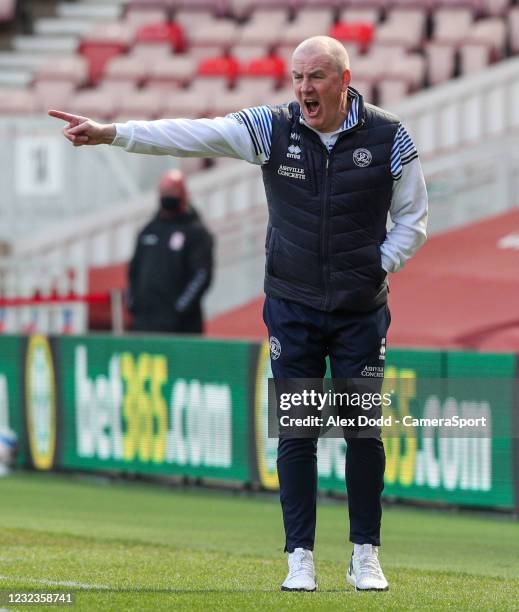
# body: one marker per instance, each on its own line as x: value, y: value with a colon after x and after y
x: 409, y: 205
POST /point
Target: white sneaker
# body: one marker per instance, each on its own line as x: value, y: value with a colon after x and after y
x: 365, y: 573
x: 301, y: 573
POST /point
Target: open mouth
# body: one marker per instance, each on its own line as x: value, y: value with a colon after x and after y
x: 312, y: 107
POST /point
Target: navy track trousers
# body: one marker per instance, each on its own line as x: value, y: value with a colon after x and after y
x: 304, y: 337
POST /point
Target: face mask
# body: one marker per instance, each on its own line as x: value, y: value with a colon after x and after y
x: 170, y: 203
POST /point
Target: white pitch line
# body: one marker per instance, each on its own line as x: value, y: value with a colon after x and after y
x: 64, y: 583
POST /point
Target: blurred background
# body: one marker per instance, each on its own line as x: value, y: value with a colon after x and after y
x: 68, y: 218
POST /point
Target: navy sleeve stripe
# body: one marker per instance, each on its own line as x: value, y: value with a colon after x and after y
x: 263, y: 124
x: 252, y: 134
x: 408, y: 160
x: 402, y: 152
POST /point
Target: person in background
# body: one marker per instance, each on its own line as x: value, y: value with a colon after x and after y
x: 172, y: 265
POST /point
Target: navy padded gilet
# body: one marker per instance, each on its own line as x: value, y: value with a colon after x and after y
x: 328, y: 211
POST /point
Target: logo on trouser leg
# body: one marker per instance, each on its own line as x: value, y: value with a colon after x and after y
x: 275, y: 347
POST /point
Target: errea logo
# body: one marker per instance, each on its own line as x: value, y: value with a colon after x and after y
x: 294, y: 152
x: 362, y: 158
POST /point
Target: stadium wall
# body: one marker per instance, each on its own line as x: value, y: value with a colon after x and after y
x: 197, y: 409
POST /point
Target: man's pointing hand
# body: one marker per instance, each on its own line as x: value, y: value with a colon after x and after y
x: 83, y: 131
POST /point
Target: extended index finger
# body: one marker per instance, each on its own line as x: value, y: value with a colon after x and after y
x: 62, y: 115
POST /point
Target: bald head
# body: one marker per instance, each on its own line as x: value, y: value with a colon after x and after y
x: 173, y: 192
x: 325, y: 46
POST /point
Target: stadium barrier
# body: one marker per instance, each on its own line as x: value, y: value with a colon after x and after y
x: 197, y: 408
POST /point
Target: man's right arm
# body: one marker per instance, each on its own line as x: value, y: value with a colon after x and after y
x: 243, y: 135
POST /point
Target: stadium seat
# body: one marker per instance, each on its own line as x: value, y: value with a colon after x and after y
x: 409, y: 68
x: 264, y: 27
x: 151, y: 51
x: 95, y: 103
x: 258, y: 89
x: 391, y: 91
x: 17, y: 101
x: 364, y: 87
x: 353, y: 32
x: 52, y: 94
x: 359, y: 15
x: 72, y: 68
x: 140, y: 16
x: 232, y: 101
x: 363, y: 4
x: 227, y: 67
x: 206, y: 52
x: 404, y: 27
x: 474, y: 57
x: 189, y: 104
x: 308, y: 22
x: 283, y: 95
x: 162, y: 32
x: 475, y: 6
x: 145, y: 103
x: 242, y: 9
x: 245, y: 53
x: 441, y: 62
x: 102, y: 43
x: 209, y: 87
x: 490, y: 32
x: 126, y: 68
x: 423, y: 4
x: 194, y: 19
x: 218, y: 7
x: 452, y: 25
x: 496, y: 7
x: 222, y: 32
x: 148, y: 5
x: 172, y: 70
x: 270, y: 66
x: 117, y: 89
x: 110, y: 33
x: 368, y: 68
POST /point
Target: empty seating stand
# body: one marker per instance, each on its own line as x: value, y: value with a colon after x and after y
x: 214, y: 56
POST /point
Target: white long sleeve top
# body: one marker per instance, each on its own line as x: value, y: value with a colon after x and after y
x: 247, y: 135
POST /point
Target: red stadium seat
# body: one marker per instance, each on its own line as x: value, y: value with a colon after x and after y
x: 270, y: 66
x: 103, y: 42
x: 171, y: 33
x: 227, y: 67
x: 97, y: 55
x: 361, y: 33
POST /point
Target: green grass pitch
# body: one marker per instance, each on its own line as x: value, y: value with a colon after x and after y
x: 141, y: 547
